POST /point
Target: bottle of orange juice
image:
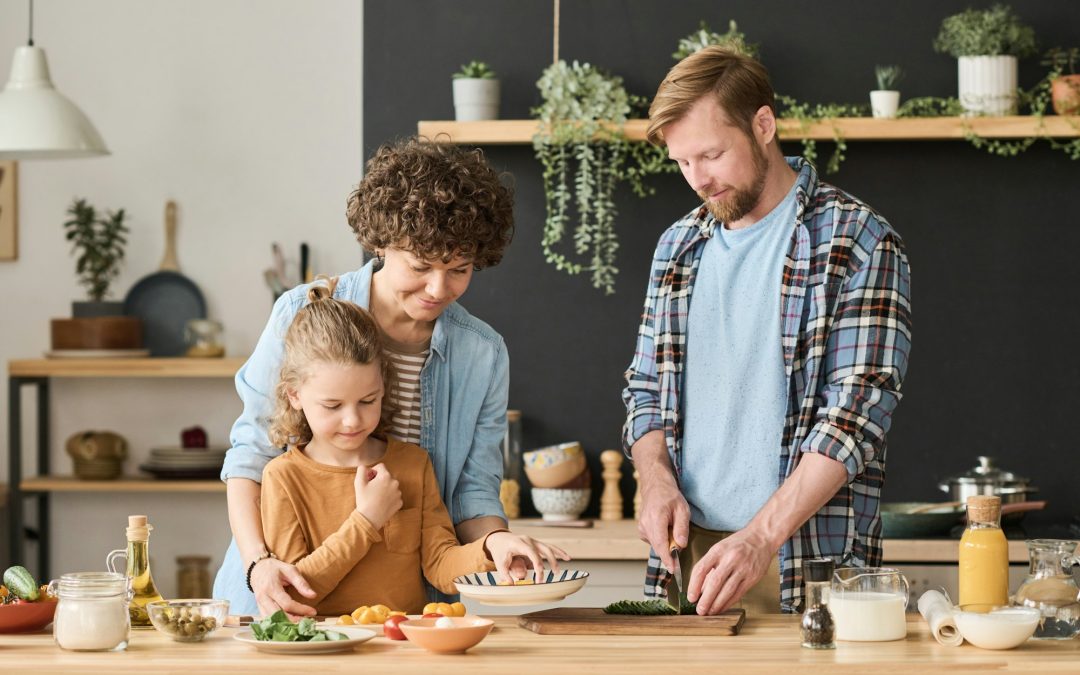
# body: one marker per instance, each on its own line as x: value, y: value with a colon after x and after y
x: 984, y: 557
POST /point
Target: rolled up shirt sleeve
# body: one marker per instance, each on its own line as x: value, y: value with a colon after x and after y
x: 642, y: 393
x: 865, y: 360
x: 250, y: 447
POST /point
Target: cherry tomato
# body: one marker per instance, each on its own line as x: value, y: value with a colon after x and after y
x: 390, y: 627
x: 432, y: 615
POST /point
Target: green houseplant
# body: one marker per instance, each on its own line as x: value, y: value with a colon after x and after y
x: 733, y: 39
x: 476, y: 92
x: 98, y: 244
x: 585, y: 156
x: 986, y: 44
x: 885, y: 100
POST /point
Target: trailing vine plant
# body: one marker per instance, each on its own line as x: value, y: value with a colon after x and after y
x: 585, y: 155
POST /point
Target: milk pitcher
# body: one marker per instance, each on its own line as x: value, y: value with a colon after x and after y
x: 868, y: 604
x: 1050, y: 588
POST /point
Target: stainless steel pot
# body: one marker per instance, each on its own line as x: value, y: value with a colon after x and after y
x: 987, y: 479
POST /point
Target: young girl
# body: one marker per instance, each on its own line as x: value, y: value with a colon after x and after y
x: 357, y: 512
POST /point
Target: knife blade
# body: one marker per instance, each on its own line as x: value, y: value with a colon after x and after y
x: 675, y: 582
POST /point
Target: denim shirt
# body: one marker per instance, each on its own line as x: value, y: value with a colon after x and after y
x: 464, y: 388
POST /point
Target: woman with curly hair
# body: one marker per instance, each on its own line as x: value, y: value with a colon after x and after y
x: 432, y: 214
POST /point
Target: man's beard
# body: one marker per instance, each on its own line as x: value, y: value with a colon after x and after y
x: 732, y: 208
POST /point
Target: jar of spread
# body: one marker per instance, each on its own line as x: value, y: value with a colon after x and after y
x: 91, y: 611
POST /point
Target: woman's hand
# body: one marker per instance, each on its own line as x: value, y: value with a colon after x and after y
x: 269, y: 579
x: 378, y: 494
x: 505, y: 549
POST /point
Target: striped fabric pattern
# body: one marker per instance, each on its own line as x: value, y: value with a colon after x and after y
x: 846, y: 336
x: 490, y: 579
x: 404, y: 393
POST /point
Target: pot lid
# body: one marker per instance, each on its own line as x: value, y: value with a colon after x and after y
x: 988, y: 474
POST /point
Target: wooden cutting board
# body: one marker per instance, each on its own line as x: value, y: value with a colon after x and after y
x: 593, y: 621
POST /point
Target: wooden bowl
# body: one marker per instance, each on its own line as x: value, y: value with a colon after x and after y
x: 466, y: 633
x: 24, y: 617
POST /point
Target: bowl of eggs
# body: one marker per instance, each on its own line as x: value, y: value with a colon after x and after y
x: 447, y: 635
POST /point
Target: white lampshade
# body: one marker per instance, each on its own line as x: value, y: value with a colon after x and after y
x: 38, y: 122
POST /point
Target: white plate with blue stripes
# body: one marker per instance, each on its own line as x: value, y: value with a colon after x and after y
x: 485, y: 587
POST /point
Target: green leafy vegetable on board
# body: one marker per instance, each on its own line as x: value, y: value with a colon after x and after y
x: 651, y: 607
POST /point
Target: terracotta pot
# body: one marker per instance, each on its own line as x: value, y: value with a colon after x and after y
x: 1065, y: 92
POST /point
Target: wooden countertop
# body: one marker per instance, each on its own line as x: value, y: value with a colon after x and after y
x: 767, y: 644
x: 618, y: 540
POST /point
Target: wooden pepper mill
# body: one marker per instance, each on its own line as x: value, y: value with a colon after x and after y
x: 611, y: 500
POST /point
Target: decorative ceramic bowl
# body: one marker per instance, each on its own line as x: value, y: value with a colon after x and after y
x: 188, y: 620
x: 466, y: 633
x: 560, y: 505
x: 488, y: 589
x: 1000, y: 628
x: 24, y: 617
x: 554, y: 465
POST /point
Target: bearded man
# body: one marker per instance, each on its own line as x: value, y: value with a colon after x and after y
x: 769, y: 360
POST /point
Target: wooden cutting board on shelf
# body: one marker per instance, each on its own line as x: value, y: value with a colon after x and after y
x: 593, y: 621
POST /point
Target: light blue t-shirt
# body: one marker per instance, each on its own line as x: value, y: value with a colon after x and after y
x: 734, y: 386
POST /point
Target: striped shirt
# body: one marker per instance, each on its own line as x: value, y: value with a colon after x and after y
x: 403, y: 395
x: 845, y: 336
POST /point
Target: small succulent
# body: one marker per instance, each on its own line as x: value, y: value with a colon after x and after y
x: 888, y: 76
x: 475, y: 70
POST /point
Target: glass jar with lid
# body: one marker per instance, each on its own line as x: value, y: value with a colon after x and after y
x: 510, y: 489
x: 91, y: 611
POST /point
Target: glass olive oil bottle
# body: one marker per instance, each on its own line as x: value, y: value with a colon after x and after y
x: 138, y: 570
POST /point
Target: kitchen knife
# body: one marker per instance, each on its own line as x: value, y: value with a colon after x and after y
x: 675, y: 583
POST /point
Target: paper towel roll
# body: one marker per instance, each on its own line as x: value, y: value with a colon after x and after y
x: 937, y: 610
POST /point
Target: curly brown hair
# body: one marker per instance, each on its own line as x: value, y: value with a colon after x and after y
x: 326, y: 330
x: 435, y: 200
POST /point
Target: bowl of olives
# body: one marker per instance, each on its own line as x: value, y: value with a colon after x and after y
x: 188, y: 620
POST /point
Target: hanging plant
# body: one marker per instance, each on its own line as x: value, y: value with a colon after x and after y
x: 585, y: 155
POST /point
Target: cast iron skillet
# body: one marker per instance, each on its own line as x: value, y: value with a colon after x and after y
x: 166, y: 300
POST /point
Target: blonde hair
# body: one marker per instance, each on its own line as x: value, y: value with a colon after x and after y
x: 326, y: 330
x: 739, y: 83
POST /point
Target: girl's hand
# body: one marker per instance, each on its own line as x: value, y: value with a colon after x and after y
x: 378, y: 494
x: 504, y: 547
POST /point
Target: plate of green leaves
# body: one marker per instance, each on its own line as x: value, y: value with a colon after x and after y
x: 276, y: 634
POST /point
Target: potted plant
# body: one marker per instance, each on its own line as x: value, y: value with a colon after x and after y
x: 1064, y: 80
x: 987, y: 44
x: 476, y: 93
x: 99, y: 246
x: 885, y: 100
x: 703, y: 37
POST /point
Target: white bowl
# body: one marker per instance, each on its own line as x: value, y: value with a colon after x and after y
x: 485, y: 588
x: 1000, y: 628
x: 560, y: 504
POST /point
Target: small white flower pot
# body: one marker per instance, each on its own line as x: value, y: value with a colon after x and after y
x: 476, y: 99
x: 884, y: 103
x: 987, y: 85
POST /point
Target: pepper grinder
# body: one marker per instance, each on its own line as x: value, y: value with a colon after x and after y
x: 611, y: 501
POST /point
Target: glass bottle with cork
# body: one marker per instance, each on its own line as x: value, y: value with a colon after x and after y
x: 818, y: 628
x: 137, y: 570
x: 984, y: 557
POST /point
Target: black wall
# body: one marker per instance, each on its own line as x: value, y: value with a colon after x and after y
x: 993, y: 241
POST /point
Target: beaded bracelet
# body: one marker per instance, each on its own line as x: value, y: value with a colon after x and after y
x: 251, y: 567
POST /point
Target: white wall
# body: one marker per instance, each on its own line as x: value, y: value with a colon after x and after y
x: 248, y: 114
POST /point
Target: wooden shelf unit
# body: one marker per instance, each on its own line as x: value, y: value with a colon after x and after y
x: 518, y: 132
x: 123, y: 484
x: 148, y: 367
x: 40, y: 484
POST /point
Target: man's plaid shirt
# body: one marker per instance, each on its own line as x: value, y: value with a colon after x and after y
x: 845, y: 335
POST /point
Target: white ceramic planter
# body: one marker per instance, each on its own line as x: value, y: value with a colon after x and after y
x: 884, y: 103
x: 987, y: 84
x: 476, y: 99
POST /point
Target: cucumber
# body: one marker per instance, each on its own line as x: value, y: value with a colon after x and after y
x: 20, y: 582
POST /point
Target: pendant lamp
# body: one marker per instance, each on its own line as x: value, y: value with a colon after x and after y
x: 37, y: 121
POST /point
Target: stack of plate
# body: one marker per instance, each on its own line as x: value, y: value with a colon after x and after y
x: 178, y: 463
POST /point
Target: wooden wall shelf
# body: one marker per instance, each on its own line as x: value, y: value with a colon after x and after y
x: 517, y: 132
x: 124, y: 484
x: 150, y: 367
